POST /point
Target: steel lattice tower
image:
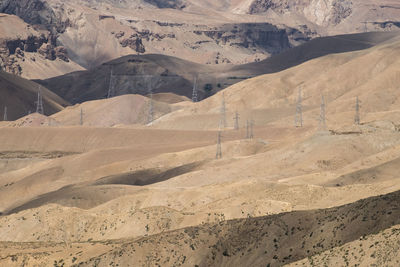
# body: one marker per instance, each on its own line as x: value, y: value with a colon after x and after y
x: 81, y: 117
x: 5, y: 114
x: 236, y: 120
x: 111, y: 91
x: 194, y: 93
x: 150, y: 117
x: 357, y: 116
x: 219, y: 147
x: 322, y: 116
x: 223, y: 112
x: 247, y: 129
x: 39, y: 103
x: 365, y: 26
x: 298, y: 119
x: 251, y: 136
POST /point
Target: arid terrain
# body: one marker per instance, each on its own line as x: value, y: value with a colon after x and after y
x: 57, y: 37
x: 289, y: 156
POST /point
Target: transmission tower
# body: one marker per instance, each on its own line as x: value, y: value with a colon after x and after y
x: 236, y: 120
x: 223, y: 112
x: 150, y: 117
x: 39, y: 102
x: 365, y: 26
x: 298, y: 119
x: 219, y: 148
x: 357, y: 116
x: 247, y: 129
x: 111, y: 89
x: 194, y: 93
x: 322, y: 117
x: 251, y: 129
x: 81, y: 117
x: 5, y: 114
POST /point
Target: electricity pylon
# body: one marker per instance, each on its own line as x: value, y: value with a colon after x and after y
x: 322, y: 116
x: 150, y: 116
x: 357, y: 116
x: 223, y: 112
x: 236, y: 120
x: 219, y: 147
x: 81, y: 117
x: 298, y: 119
x: 249, y: 129
x: 39, y: 102
x: 365, y: 26
x: 194, y: 93
x: 111, y: 89
x: 5, y: 114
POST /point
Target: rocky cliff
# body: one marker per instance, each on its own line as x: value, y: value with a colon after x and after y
x: 92, y: 32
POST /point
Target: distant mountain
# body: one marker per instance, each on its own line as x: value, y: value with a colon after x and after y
x: 135, y: 74
x: 211, y: 32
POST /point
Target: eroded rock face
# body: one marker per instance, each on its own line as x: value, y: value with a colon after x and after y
x: 176, y: 4
x: 35, y: 12
x: 134, y: 42
x: 321, y: 12
x: 250, y: 35
x: 14, y: 49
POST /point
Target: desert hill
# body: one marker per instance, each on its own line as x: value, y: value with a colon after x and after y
x: 19, y: 95
x: 126, y: 110
x: 84, y: 34
x: 31, y: 52
x: 118, y: 191
x: 275, y: 240
x: 135, y: 74
x: 272, y: 98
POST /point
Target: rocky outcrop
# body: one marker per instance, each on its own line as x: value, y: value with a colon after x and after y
x: 264, y: 36
x: 11, y: 51
x: 322, y: 12
x: 175, y: 4
x: 133, y: 42
x: 36, y: 12
x: 41, y: 44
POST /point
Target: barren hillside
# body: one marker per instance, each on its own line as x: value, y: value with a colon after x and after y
x: 202, y: 185
x: 83, y: 34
